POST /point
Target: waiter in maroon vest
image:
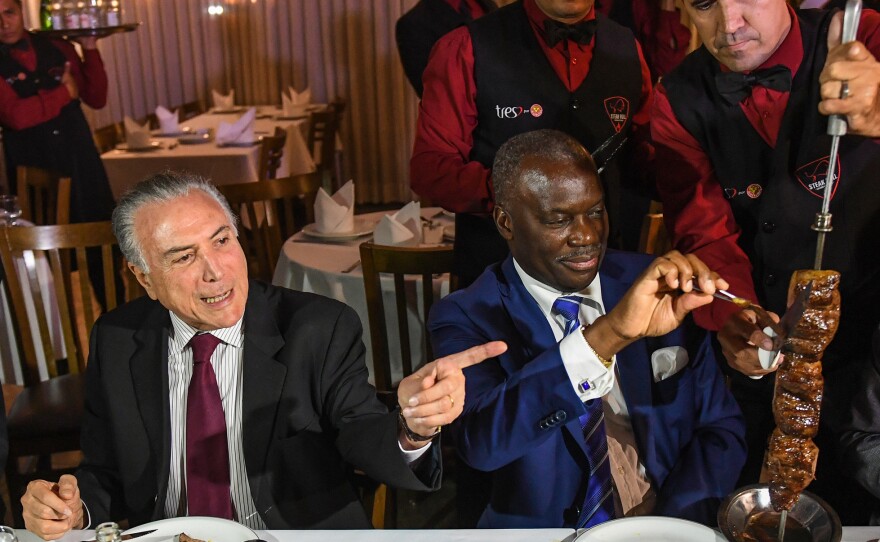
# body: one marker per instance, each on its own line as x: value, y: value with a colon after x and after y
x: 742, y: 161
x: 43, y: 83
x: 532, y: 64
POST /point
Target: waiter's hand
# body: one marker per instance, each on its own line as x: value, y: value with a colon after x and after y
x: 851, y: 62
x: 68, y: 81
x: 87, y: 42
x: 433, y: 396
x: 50, y: 510
x: 740, y: 338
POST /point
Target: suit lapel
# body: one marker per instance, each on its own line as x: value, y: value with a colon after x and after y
x: 634, y: 371
x: 530, y: 323
x: 263, y: 381
x: 149, y: 374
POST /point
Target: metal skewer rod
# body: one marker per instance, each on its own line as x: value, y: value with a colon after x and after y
x: 836, y: 128
x: 783, y: 518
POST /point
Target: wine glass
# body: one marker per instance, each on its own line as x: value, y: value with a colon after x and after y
x: 7, y: 534
x: 9, y: 213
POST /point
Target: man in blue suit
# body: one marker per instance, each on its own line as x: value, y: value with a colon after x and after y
x: 626, y: 416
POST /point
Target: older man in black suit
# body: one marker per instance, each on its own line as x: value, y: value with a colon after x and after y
x: 217, y: 396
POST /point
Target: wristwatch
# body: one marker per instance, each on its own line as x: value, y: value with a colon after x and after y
x: 412, y: 435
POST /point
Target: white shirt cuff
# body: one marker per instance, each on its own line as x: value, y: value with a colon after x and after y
x: 411, y: 455
x: 589, y: 377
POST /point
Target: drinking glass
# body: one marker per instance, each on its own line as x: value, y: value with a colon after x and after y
x: 9, y: 213
x: 7, y: 534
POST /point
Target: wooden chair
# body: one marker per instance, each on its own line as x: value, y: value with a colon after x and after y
x: 338, y: 104
x: 190, y: 110
x: 654, y: 238
x: 322, y: 143
x: 398, y: 262
x: 151, y: 120
x: 107, y: 137
x: 271, y: 153
x: 44, y: 197
x: 46, y: 416
x: 270, y: 211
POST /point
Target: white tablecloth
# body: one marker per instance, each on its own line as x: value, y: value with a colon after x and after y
x: 850, y: 534
x: 223, y: 165
x: 308, y: 265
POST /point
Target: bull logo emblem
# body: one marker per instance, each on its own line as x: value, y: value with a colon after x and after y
x: 617, y: 109
x: 814, y: 175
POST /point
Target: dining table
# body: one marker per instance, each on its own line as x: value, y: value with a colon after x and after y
x: 850, y: 534
x: 331, y: 267
x: 227, y: 164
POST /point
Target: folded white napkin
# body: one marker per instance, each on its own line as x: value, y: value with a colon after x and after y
x: 168, y: 123
x: 667, y: 361
x: 240, y: 131
x: 224, y: 102
x: 136, y: 136
x: 335, y: 214
x: 295, y: 103
x: 403, y: 228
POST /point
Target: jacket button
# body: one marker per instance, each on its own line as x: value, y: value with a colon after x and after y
x: 770, y: 279
x: 543, y: 424
x: 55, y: 132
x: 768, y: 226
x: 560, y: 415
x: 575, y: 104
x: 571, y: 515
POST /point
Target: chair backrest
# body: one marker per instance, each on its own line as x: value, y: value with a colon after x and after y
x: 270, y: 212
x: 399, y: 261
x: 44, y: 196
x: 271, y: 153
x: 190, y: 110
x: 151, y: 120
x: 322, y: 140
x: 654, y: 238
x: 37, y: 264
x: 107, y: 137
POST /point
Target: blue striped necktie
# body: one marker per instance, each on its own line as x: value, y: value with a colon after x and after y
x: 598, y: 504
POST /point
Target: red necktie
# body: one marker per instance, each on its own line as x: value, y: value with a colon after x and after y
x: 207, y: 456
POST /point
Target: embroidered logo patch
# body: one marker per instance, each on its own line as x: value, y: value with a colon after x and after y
x: 536, y: 110
x: 754, y: 190
x: 813, y: 176
x: 617, y: 109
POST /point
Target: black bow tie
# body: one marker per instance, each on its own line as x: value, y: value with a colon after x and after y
x: 734, y: 87
x: 581, y: 32
x: 21, y: 45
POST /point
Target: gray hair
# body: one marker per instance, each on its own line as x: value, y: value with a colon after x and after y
x: 159, y: 188
x: 508, y: 169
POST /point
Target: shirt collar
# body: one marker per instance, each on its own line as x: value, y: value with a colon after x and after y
x: 183, y: 332
x: 545, y: 295
x: 537, y: 17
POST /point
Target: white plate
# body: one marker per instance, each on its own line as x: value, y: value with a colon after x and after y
x: 213, y: 529
x: 650, y: 528
x: 362, y: 227
x: 154, y: 145
x: 449, y: 232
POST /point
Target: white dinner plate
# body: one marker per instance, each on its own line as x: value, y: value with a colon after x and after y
x: 154, y: 145
x: 362, y: 227
x: 213, y: 529
x: 650, y: 528
x: 449, y: 232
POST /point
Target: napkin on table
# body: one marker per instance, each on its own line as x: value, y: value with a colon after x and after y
x: 335, y: 214
x: 403, y: 228
x: 136, y: 136
x: 240, y: 131
x: 223, y: 102
x: 296, y: 103
x: 168, y: 123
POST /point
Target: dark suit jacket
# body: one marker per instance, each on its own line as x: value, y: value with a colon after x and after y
x: 521, y: 413
x: 860, y: 441
x: 419, y: 29
x: 307, y: 409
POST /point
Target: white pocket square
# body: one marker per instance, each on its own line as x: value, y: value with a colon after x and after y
x: 667, y: 361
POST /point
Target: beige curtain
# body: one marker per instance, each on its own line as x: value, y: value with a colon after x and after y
x: 260, y: 47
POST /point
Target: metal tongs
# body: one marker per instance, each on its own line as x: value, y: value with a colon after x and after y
x: 836, y: 128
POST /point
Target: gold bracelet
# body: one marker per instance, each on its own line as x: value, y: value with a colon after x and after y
x: 412, y: 435
x: 606, y: 362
